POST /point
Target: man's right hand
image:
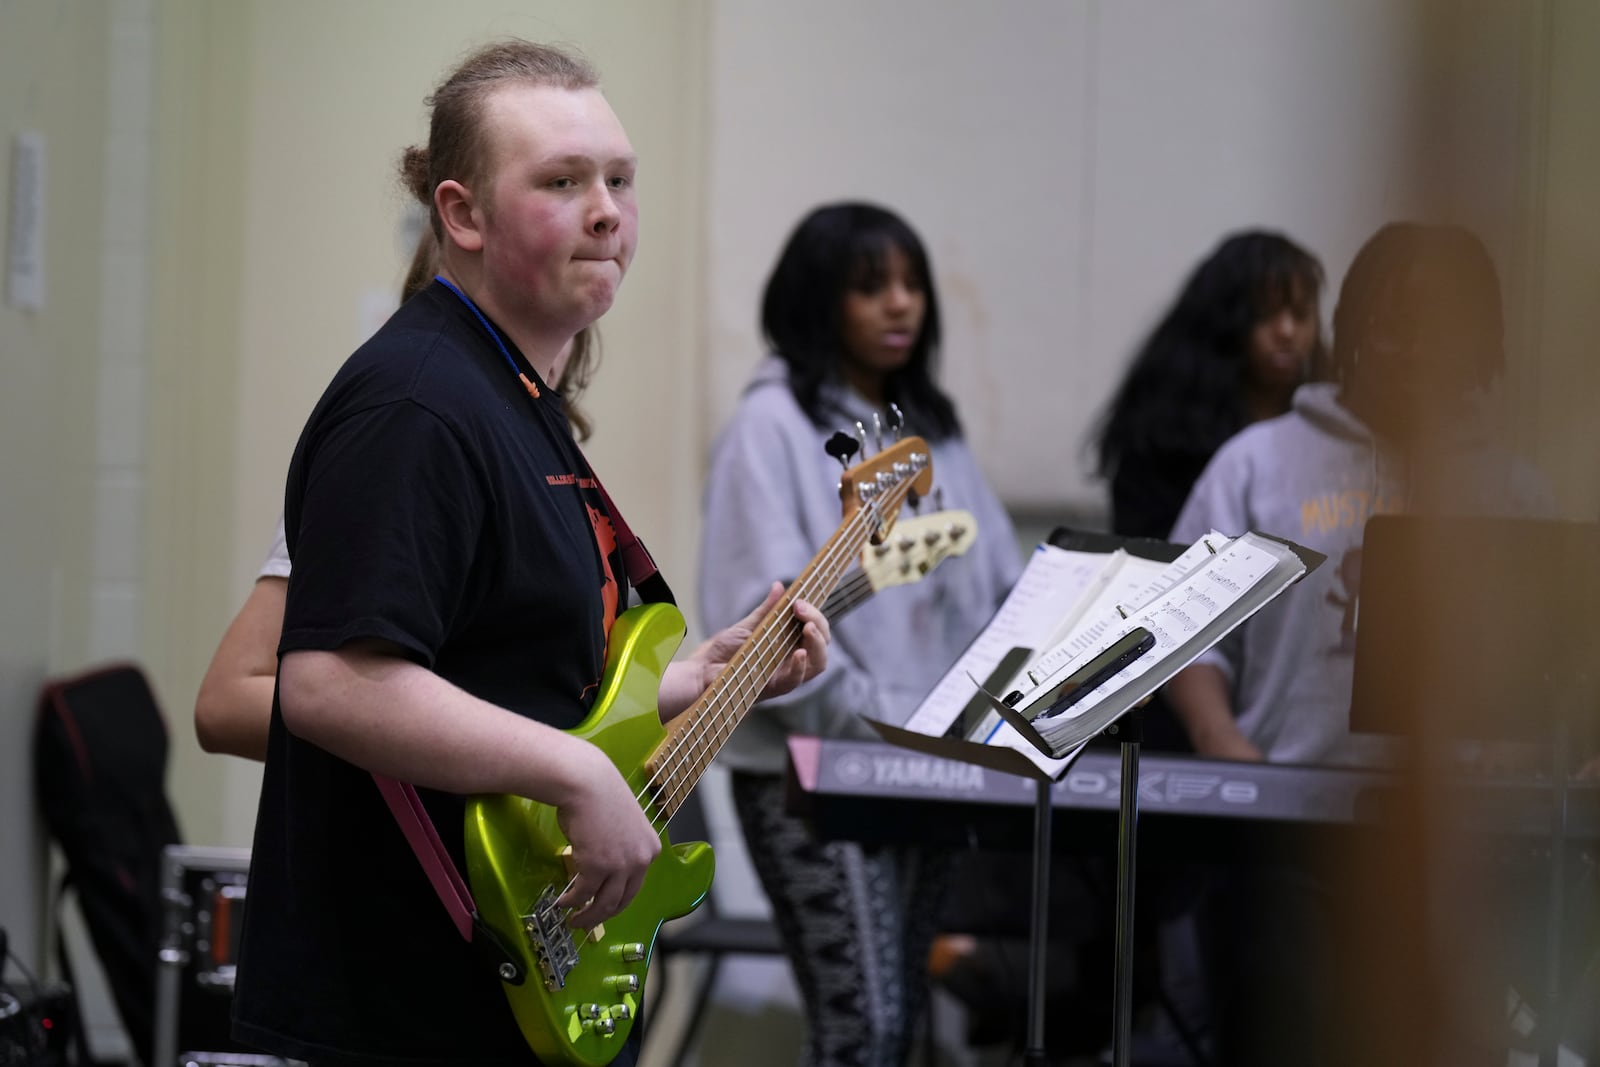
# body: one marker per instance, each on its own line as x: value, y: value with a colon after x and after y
x: 613, y: 843
x: 369, y: 705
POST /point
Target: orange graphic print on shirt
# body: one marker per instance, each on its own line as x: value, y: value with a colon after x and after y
x: 605, y: 538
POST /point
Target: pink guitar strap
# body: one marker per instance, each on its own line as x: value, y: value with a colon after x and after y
x: 643, y: 574
x: 406, y: 806
x: 424, y: 839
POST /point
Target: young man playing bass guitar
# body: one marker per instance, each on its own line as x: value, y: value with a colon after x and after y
x: 456, y: 570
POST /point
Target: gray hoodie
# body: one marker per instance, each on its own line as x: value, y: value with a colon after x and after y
x: 1314, y: 476
x: 771, y: 502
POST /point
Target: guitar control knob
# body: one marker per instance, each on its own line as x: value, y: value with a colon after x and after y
x: 621, y: 1011
x: 881, y: 550
x: 588, y: 1011
x: 957, y: 531
x: 931, y: 538
x: 906, y: 544
x: 624, y: 983
x: 605, y: 1027
x: 632, y: 951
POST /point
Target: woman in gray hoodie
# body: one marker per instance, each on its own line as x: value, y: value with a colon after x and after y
x: 852, y: 319
x: 1417, y: 342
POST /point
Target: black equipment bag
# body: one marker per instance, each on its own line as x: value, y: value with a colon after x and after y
x: 100, y: 760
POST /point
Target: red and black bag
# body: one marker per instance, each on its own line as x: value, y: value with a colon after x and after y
x: 100, y: 762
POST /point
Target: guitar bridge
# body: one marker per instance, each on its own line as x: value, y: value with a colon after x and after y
x: 551, y: 941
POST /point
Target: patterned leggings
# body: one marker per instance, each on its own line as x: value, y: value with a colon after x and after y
x: 856, y: 925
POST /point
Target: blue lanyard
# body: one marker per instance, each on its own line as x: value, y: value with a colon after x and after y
x: 641, y: 568
x: 527, y: 383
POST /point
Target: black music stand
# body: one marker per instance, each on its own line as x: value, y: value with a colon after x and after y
x: 1128, y: 731
x: 1484, y: 629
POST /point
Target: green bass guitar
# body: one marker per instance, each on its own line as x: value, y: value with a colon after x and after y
x: 576, y: 994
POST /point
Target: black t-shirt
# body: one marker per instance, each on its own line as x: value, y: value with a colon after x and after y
x: 434, y: 504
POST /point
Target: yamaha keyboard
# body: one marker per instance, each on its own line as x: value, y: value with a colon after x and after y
x: 874, y: 792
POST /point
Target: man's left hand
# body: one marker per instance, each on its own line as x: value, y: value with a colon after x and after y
x: 706, y: 662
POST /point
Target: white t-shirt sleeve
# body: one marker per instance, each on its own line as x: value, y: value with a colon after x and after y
x: 277, y: 564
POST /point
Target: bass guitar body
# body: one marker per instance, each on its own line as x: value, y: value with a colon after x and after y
x: 581, y: 994
x: 577, y: 995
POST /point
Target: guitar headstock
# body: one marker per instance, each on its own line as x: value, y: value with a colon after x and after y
x: 883, y: 482
x: 919, y: 544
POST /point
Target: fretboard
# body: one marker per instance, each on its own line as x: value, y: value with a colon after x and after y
x: 695, y: 737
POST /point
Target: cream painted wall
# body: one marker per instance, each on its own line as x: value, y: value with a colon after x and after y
x: 1563, y: 391
x: 49, y: 359
x: 194, y: 370
x: 1068, y: 164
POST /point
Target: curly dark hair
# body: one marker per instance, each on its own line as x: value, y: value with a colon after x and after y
x: 1412, y: 277
x: 1184, y: 393
x: 835, y: 248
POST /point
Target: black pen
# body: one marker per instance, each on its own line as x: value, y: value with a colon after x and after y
x: 1100, y: 670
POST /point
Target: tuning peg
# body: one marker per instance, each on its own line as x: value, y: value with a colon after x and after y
x: 897, y: 420
x: 938, y: 498
x: 841, y: 446
x: 877, y: 432
x: 861, y: 438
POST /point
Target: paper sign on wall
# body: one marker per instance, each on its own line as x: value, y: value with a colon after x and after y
x: 25, y: 231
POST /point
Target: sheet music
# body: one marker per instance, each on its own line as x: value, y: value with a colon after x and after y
x: 1194, y: 556
x: 1174, y: 617
x: 1053, y: 579
x: 1107, y: 623
x: 1187, y: 605
x: 1128, y: 581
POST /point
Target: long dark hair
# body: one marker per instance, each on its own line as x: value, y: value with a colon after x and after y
x: 834, y: 249
x: 1184, y: 394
